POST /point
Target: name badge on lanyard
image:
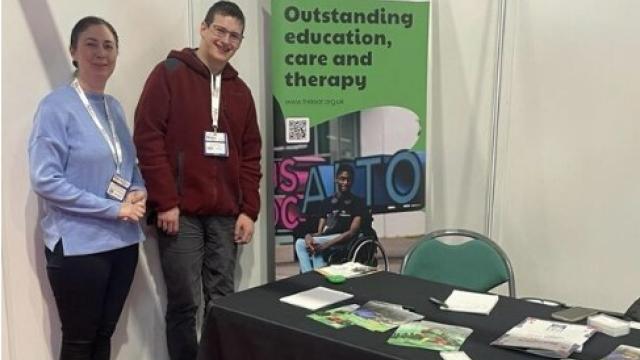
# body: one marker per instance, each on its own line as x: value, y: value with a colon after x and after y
x: 216, y: 142
x: 118, y: 186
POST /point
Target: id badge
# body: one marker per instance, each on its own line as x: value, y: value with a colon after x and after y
x: 216, y: 144
x: 118, y: 187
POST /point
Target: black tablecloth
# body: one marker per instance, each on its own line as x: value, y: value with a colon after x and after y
x: 254, y: 324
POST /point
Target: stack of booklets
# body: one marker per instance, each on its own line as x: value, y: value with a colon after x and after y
x: 348, y: 270
x: 624, y: 352
x: 609, y: 325
x: 551, y: 339
x: 469, y: 302
x: 377, y: 316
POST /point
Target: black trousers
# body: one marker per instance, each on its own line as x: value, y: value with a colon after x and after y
x: 90, y: 291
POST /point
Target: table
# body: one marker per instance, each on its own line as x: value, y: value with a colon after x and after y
x: 254, y: 324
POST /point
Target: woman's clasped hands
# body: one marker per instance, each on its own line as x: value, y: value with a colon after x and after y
x: 134, y: 206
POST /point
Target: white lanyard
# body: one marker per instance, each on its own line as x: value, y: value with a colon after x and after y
x: 215, y: 99
x: 114, y: 146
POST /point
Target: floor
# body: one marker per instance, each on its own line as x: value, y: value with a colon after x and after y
x: 394, y: 247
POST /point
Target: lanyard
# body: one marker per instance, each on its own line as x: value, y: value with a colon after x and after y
x: 114, y: 146
x: 215, y: 99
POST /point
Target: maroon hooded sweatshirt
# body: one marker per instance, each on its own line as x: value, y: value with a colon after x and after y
x: 172, y: 116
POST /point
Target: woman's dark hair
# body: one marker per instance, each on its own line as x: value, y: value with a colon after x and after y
x: 224, y: 8
x: 83, y: 25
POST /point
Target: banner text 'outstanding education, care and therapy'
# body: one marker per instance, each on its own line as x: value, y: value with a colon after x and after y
x: 350, y: 39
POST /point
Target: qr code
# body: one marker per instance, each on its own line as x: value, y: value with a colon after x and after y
x: 297, y: 129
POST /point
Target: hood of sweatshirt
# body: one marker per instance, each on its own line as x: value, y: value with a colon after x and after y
x: 188, y: 57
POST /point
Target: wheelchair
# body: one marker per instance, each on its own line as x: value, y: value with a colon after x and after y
x: 364, y: 248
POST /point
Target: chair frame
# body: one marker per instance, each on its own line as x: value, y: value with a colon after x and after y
x: 434, y: 235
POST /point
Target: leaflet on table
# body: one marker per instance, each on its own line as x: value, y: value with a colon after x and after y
x: 430, y: 335
x: 551, y: 349
x: 470, y: 302
x: 624, y: 352
x: 382, y: 316
x: 316, y: 298
x: 348, y: 270
x: 337, y: 318
x: 546, y: 338
x: 454, y: 355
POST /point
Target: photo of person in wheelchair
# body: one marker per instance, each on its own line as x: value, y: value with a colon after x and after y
x: 340, y: 220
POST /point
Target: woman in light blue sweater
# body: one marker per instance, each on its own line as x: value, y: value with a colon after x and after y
x: 83, y: 166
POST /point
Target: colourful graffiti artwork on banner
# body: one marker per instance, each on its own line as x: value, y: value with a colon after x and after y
x: 388, y: 183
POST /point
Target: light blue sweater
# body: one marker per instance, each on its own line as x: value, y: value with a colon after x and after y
x: 71, y: 166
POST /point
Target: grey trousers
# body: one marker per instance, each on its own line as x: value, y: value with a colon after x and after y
x: 198, y: 261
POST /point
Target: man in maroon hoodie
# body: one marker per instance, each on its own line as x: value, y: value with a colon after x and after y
x: 199, y: 147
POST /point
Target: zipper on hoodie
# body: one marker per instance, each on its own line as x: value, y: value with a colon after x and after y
x: 180, y: 171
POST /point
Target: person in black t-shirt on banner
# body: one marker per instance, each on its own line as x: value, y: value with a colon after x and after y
x: 342, y: 215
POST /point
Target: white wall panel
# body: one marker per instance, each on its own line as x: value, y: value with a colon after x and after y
x: 569, y: 187
x: 462, y: 60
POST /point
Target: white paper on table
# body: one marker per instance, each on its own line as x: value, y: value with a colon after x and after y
x: 634, y: 325
x: 316, y: 298
x: 348, y: 270
x: 454, y: 355
x: 469, y: 302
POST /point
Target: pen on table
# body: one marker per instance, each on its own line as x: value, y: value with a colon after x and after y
x: 438, y: 302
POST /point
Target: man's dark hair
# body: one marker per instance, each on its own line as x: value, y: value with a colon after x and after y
x: 224, y: 8
x: 345, y: 167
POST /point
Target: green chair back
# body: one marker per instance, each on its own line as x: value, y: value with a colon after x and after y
x: 478, y: 264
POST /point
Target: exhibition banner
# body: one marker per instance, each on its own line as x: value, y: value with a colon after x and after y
x: 350, y: 86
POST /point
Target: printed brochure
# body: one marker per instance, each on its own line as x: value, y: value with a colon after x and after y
x: 337, y: 318
x: 430, y: 335
x: 382, y: 316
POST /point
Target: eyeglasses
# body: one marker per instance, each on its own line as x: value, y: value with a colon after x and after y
x: 222, y: 32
